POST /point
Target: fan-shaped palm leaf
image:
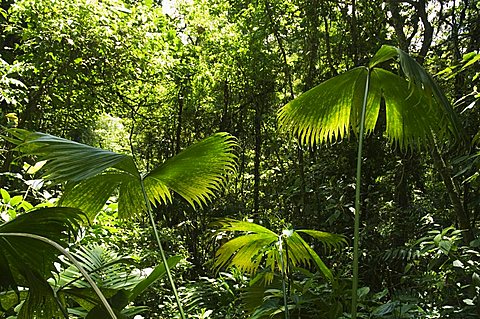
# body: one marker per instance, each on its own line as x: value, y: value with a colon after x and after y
x: 93, y: 174
x: 195, y: 172
x: 27, y: 262
x: 414, y: 108
x: 259, y: 244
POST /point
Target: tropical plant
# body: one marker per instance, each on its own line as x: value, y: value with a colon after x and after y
x: 284, y: 251
x: 27, y: 258
x: 112, y: 274
x: 416, y: 111
x: 93, y: 174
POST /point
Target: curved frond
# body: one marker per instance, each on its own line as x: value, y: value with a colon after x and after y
x: 417, y: 76
x: 411, y: 116
x: 322, y: 114
x: 232, y: 225
x: 329, y: 111
x: 131, y: 202
x: 28, y: 262
x: 424, y: 81
x: 196, y: 172
x: 244, y: 252
x: 308, y: 251
x: 105, y: 267
x: 329, y: 240
x: 67, y: 160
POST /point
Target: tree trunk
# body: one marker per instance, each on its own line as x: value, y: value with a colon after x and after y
x: 453, y: 194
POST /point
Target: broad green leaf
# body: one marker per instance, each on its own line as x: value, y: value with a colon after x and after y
x: 247, y: 247
x: 384, y: 309
x: 5, y: 195
x: 318, y: 261
x: 15, y: 200
x: 70, y: 161
x: 474, y: 58
x: 322, y: 114
x: 416, y: 108
x: 90, y: 195
x: 417, y: 75
x: 28, y: 262
x: 410, y: 116
x: 229, y: 224
x: 258, y: 244
x: 156, y: 274
x: 385, y: 53
x: 131, y: 202
x: 332, y: 240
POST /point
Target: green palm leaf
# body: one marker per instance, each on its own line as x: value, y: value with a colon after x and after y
x: 67, y: 160
x: 416, y: 111
x: 94, y: 174
x: 195, y: 172
x: 29, y: 263
x: 415, y: 107
x: 246, y: 252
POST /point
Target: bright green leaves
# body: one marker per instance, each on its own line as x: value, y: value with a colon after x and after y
x: 94, y: 174
x: 324, y: 113
x: 415, y: 107
x: 259, y: 244
x: 385, y: 53
x: 195, y: 172
x: 411, y: 118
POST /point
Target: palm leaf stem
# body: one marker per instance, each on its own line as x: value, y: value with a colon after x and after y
x: 60, y: 305
x: 356, y: 229
x: 282, y: 260
x: 74, y: 261
x: 162, y: 253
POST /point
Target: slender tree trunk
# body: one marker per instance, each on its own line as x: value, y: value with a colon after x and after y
x: 178, y: 133
x: 453, y: 194
x: 256, y: 167
x: 354, y: 33
x: 398, y: 22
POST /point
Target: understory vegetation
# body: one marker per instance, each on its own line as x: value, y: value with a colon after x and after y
x: 239, y: 159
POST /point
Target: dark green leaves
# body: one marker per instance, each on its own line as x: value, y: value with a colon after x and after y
x: 28, y: 262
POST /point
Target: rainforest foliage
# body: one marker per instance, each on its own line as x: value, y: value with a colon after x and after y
x: 239, y: 159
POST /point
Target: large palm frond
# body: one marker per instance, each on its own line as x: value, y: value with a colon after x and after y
x: 93, y: 174
x: 27, y: 262
x: 259, y: 244
x: 415, y: 107
x: 195, y: 172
